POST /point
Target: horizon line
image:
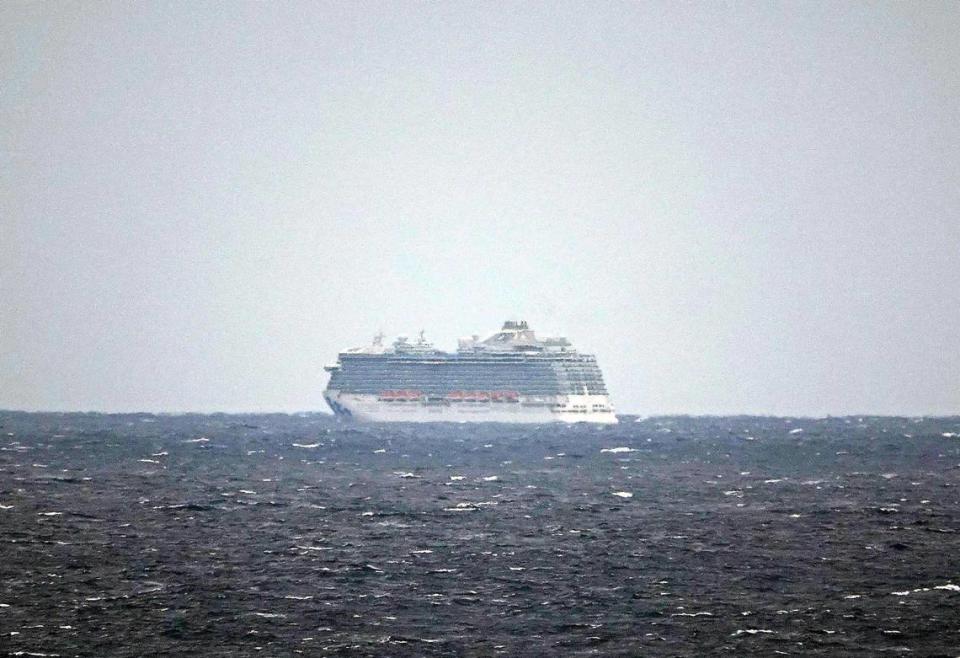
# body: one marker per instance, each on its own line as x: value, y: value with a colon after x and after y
x: 639, y: 416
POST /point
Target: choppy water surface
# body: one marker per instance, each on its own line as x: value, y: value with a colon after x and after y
x: 277, y: 535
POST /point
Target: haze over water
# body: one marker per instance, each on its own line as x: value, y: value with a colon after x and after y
x: 745, y: 208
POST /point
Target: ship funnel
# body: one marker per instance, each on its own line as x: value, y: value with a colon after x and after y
x: 515, y: 325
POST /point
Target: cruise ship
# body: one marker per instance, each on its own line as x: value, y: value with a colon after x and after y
x: 510, y: 377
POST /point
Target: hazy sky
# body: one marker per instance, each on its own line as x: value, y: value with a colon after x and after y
x: 743, y: 207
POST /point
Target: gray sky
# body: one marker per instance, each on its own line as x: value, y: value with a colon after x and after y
x: 743, y: 207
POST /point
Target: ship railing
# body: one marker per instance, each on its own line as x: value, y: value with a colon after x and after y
x: 483, y: 396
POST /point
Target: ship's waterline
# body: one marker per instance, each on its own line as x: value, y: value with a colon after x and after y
x: 510, y: 377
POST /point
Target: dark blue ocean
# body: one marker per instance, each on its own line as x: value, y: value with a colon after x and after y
x: 277, y: 535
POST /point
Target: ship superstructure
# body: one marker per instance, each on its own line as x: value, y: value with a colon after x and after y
x: 511, y: 376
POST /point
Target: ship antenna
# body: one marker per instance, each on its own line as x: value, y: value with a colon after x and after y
x: 422, y: 339
x: 378, y: 339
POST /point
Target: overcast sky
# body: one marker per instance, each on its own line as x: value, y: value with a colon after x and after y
x: 743, y: 207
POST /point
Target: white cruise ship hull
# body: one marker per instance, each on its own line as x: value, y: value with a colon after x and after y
x: 527, y: 409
